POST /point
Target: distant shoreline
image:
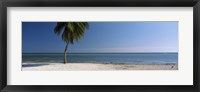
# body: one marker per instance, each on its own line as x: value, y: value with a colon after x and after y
x: 94, y: 63
x: 108, y: 58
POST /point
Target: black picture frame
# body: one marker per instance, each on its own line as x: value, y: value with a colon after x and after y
x: 99, y: 3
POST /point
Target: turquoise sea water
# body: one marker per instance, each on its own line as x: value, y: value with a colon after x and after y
x: 116, y: 58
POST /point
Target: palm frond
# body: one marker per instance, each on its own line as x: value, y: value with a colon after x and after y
x: 59, y: 27
x: 72, y: 30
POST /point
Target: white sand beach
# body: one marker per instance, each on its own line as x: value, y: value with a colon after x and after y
x: 92, y: 66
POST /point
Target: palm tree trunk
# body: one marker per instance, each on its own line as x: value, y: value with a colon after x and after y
x: 65, y: 53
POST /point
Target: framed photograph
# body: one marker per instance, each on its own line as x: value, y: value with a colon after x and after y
x: 74, y: 45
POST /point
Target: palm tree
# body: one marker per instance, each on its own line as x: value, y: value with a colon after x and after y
x: 70, y: 31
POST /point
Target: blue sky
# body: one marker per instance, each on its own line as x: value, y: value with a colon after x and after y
x: 102, y: 37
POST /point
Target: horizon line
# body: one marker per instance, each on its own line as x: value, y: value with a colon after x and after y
x: 93, y: 52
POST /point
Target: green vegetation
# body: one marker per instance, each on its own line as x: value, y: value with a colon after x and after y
x: 71, y: 31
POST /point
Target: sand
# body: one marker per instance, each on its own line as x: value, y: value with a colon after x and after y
x: 92, y: 66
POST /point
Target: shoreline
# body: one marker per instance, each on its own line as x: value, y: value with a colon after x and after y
x: 92, y: 66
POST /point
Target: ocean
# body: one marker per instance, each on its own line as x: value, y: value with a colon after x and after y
x: 113, y: 58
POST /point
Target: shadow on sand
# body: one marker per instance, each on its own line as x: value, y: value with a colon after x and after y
x: 33, y: 65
